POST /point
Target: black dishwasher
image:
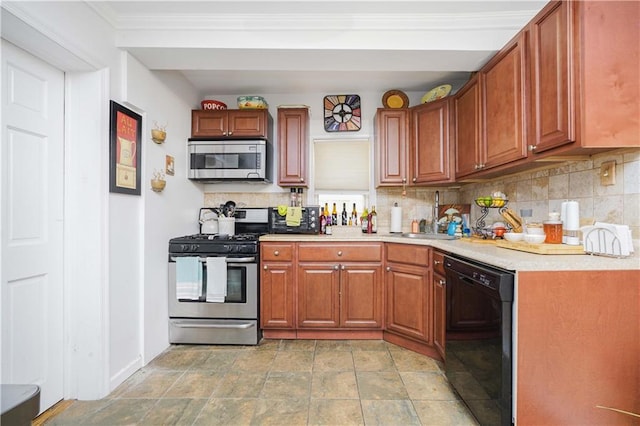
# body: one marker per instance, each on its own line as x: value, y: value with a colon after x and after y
x: 478, y: 338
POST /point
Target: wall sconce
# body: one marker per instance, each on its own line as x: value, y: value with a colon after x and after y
x: 157, y: 181
x: 158, y: 133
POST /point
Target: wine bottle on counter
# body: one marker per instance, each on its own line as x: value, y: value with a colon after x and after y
x: 344, y: 214
x: 354, y: 215
x: 373, y: 219
x: 334, y: 215
x: 326, y: 213
x: 323, y: 221
x: 364, y: 220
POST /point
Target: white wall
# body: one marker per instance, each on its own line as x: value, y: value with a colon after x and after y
x: 165, y: 98
x: 116, y: 245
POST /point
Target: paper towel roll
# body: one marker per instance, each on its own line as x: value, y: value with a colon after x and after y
x: 572, y: 223
x: 396, y: 219
x: 572, y: 216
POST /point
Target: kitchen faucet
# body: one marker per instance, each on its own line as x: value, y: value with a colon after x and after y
x: 436, y: 208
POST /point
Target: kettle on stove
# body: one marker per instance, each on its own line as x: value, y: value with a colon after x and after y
x: 209, y: 223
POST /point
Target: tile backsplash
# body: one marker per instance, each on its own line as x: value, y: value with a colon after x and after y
x: 541, y: 190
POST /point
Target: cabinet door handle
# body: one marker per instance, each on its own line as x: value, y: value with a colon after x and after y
x: 414, y: 179
x: 339, y: 253
x: 276, y: 253
x: 388, y: 268
x: 301, y: 179
x: 343, y: 267
x: 532, y: 148
x: 230, y: 133
x: 336, y: 267
x: 437, y: 262
x: 265, y: 267
x: 442, y: 282
x: 404, y: 180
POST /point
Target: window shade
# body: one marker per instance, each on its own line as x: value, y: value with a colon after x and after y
x: 341, y: 165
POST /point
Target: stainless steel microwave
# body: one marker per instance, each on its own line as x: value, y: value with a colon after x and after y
x: 230, y: 160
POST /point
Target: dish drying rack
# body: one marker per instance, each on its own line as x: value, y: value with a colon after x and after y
x: 602, y: 241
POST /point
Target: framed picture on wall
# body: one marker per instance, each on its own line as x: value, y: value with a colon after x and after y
x: 169, y: 165
x: 125, y: 146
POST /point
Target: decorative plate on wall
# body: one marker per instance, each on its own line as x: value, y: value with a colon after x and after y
x: 342, y: 113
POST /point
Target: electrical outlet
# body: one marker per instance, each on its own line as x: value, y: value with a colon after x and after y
x: 608, y: 173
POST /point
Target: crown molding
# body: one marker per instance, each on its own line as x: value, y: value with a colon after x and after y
x: 363, y: 21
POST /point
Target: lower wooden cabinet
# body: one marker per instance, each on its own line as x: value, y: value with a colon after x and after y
x: 361, y: 296
x: 439, y: 303
x: 318, y: 296
x: 340, y: 286
x: 354, y: 290
x: 408, y: 300
x: 409, y: 291
x: 277, y: 286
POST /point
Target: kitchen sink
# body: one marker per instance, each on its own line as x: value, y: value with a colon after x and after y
x: 426, y: 236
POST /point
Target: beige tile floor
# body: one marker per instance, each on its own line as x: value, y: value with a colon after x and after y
x: 280, y: 382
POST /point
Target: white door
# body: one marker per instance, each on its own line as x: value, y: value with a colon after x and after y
x: 31, y: 162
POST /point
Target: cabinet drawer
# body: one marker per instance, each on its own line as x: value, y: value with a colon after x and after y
x: 407, y: 253
x: 276, y: 252
x: 438, y: 262
x: 328, y: 252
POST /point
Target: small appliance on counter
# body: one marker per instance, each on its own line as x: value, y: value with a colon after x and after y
x: 309, y: 222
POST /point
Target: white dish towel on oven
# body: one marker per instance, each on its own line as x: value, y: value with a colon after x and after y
x: 216, y: 279
x: 188, y: 278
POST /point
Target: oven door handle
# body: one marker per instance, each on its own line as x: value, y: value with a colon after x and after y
x: 187, y: 324
x: 250, y: 259
x: 229, y: 259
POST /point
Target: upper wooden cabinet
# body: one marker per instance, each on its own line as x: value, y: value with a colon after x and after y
x: 467, y: 128
x: 413, y: 146
x: 566, y: 84
x: 585, y: 76
x: 503, y: 86
x: 489, y: 112
x: 231, y: 123
x: 392, y: 147
x: 431, y: 153
x: 552, y: 94
x: 293, y: 146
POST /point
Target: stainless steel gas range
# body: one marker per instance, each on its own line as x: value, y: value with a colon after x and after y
x: 214, y: 284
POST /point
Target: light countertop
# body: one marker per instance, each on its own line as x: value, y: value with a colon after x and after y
x: 486, y: 253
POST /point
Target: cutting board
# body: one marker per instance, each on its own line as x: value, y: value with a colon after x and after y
x: 478, y: 240
x: 541, y: 248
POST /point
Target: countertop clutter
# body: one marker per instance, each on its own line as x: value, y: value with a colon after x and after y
x: 486, y: 253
